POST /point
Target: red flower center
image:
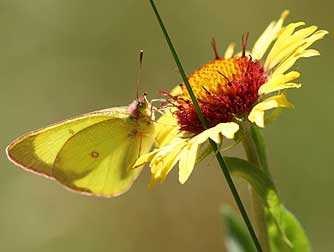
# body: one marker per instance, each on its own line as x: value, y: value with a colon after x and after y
x: 225, y: 89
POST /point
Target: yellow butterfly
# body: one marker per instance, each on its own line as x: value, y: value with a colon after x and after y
x: 93, y: 153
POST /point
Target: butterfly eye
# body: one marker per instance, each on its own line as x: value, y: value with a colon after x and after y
x: 141, y: 105
x: 141, y: 102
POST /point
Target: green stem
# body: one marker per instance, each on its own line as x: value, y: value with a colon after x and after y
x: 255, y: 150
x: 205, y: 125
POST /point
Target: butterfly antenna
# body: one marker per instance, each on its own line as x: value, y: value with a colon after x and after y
x: 140, y: 66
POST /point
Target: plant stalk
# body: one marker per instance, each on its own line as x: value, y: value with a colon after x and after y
x: 255, y: 151
x: 205, y: 125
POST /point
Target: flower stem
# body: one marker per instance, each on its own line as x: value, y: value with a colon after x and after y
x: 255, y: 150
x: 205, y: 125
x: 236, y: 196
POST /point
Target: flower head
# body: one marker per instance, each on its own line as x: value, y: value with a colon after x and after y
x: 226, y: 89
x: 229, y: 90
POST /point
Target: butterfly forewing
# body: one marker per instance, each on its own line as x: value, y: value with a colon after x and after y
x: 37, y: 150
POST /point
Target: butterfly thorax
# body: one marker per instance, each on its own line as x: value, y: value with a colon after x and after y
x: 141, y: 108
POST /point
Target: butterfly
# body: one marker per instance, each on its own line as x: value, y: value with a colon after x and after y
x: 93, y: 153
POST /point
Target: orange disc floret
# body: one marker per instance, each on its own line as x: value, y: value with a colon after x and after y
x: 225, y: 89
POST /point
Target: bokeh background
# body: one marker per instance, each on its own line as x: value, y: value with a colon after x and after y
x: 61, y: 58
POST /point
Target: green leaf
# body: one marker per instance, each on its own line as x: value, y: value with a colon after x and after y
x: 285, y: 232
x: 261, y: 183
x: 237, y: 238
x: 257, y: 137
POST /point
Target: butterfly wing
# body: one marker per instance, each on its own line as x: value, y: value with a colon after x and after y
x: 99, y: 159
x: 37, y: 150
x: 58, y: 151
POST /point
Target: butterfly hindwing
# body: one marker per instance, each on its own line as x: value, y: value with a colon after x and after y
x: 98, y: 160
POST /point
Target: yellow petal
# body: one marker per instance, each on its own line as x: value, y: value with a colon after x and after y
x: 153, y: 182
x: 165, y: 155
x: 289, y: 62
x: 187, y: 162
x: 285, y: 44
x: 229, y: 51
x: 165, y: 160
x: 185, y: 151
x: 189, y: 156
x: 268, y: 36
x: 292, y: 45
x: 173, y: 157
x: 166, y: 129
x: 228, y: 130
x: 145, y: 158
x: 310, y: 53
x: 176, y: 90
x: 279, y: 82
x: 257, y: 114
x: 300, y: 52
x: 316, y: 36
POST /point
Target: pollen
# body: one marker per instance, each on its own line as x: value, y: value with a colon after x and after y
x: 226, y: 89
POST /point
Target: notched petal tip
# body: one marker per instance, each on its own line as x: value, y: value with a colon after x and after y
x: 257, y: 114
x: 291, y: 45
x: 229, y: 129
x: 190, y: 152
x: 279, y: 82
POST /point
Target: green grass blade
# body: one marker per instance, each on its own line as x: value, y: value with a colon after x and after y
x: 205, y: 125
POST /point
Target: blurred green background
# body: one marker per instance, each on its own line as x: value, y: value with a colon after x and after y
x: 60, y: 58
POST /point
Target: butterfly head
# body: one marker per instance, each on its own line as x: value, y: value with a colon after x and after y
x: 140, y: 107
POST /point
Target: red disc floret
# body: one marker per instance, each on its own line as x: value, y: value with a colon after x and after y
x: 231, y: 99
